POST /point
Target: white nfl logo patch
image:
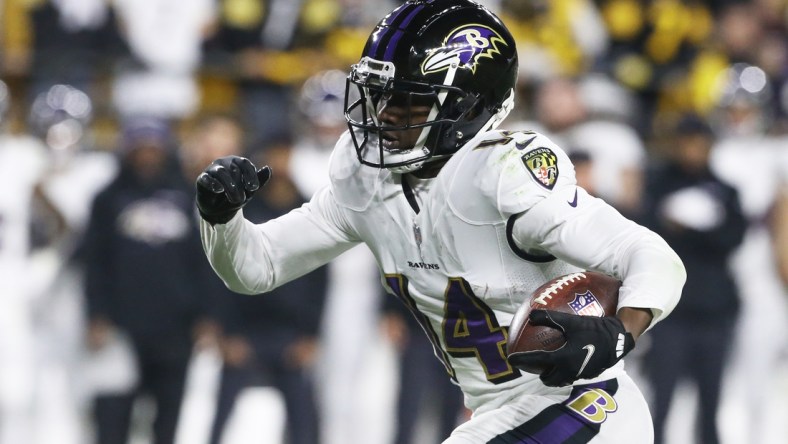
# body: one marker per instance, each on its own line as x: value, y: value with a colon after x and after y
x: 586, y: 304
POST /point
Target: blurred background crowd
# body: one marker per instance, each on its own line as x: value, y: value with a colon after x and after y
x: 113, y: 328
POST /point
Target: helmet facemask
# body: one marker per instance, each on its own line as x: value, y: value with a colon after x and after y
x: 424, y: 123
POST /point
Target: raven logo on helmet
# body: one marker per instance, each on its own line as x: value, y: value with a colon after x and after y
x: 464, y: 46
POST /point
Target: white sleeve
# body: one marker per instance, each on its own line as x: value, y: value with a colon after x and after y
x: 255, y: 258
x: 594, y: 236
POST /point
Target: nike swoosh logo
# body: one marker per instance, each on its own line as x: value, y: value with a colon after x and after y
x: 573, y: 203
x: 590, y: 349
x: 523, y: 145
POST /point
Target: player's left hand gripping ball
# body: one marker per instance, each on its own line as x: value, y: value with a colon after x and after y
x: 226, y: 186
x: 593, y: 344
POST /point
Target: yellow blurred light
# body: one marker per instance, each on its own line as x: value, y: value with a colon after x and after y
x: 705, y: 87
x: 634, y: 71
x: 243, y: 14
x: 624, y: 18
x: 346, y: 44
x: 320, y: 15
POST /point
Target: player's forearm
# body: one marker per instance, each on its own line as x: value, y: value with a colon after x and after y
x: 635, y: 320
x: 254, y: 258
x: 237, y: 255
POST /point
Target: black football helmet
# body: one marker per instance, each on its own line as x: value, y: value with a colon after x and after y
x: 454, y: 57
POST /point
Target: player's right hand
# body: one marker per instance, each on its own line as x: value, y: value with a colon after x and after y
x: 226, y: 186
x: 593, y: 344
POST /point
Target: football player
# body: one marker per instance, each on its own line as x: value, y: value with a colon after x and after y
x: 465, y: 221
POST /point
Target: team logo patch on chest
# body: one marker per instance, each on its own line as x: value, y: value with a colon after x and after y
x: 586, y: 304
x: 542, y: 163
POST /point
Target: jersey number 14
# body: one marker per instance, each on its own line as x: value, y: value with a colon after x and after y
x: 469, y: 329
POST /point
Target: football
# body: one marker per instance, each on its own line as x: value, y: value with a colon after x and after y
x: 585, y: 293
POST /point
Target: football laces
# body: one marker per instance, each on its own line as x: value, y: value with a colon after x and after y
x: 559, y: 284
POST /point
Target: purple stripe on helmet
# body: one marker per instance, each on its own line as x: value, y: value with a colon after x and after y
x: 389, y: 54
x: 387, y: 21
x: 392, y: 45
x: 391, y: 19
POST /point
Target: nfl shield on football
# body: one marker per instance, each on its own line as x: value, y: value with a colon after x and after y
x: 584, y: 293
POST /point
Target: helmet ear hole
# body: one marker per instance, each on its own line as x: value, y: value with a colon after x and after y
x: 468, y: 106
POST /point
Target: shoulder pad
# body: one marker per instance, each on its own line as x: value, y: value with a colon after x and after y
x: 353, y: 184
x: 515, y: 170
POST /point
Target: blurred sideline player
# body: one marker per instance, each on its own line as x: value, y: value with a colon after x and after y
x: 353, y: 280
x: 23, y: 160
x: 755, y: 162
x: 51, y: 179
x: 143, y: 281
x: 75, y: 173
x: 464, y: 222
x: 701, y: 218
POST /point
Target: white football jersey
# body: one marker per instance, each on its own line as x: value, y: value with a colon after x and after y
x: 456, y: 249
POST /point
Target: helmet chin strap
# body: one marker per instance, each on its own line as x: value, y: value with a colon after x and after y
x: 506, y: 108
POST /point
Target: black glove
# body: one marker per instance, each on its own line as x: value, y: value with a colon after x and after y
x: 226, y: 186
x: 593, y: 344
